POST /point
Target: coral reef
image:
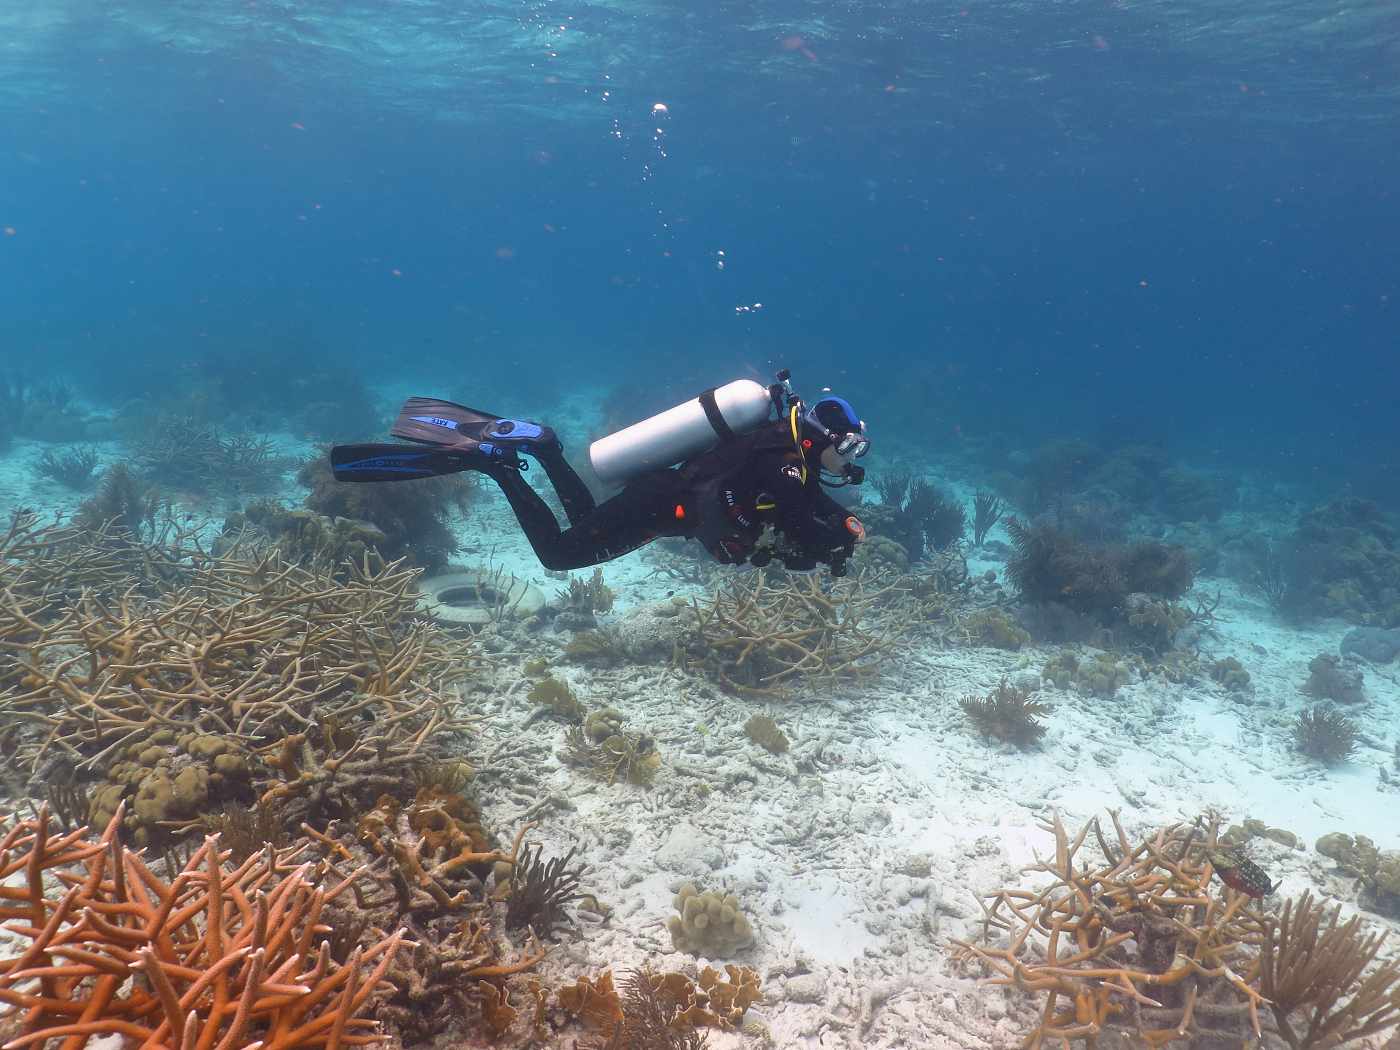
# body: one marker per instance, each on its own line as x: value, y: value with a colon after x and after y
x: 583, y: 601
x: 412, y: 515
x: 307, y: 538
x: 43, y: 411
x: 709, y: 924
x: 913, y: 513
x: 1008, y: 714
x: 558, y: 698
x: 255, y: 679
x: 1230, y: 673
x: 121, y: 501
x: 217, y: 956
x: 1342, y: 560
x: 1379, y: 870
x: 766, y: 733
x: 71, y: 469
x: 1330, y: 679
x: 608, y: 752
x: 1140, y: 942
x: 994, y: 627
x: 1049, y: 565
x: 1100, y: 676
x: 759, y: 638
x: 184, y: 454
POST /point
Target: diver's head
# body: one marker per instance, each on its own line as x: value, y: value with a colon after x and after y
x: 834, y: 436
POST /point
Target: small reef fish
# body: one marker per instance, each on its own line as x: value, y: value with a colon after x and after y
x: 1241, y: 874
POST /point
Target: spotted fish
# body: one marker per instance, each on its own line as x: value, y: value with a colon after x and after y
x: 1241, y: 874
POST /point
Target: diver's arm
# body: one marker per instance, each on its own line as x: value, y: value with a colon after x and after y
x: 806, y: 516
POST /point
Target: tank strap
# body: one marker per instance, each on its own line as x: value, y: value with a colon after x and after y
x: 713, y: 414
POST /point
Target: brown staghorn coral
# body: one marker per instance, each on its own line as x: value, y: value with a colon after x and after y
x: 247, y: 678
x: 1143, y: 942
x: 1138, y: 941
x: 760, y: 638
x: 217, y: 957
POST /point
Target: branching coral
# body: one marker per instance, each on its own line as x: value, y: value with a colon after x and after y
x: 217, y: 957
x: 760, y: 638
x: 1138, y: 939
x: 189, y: 455
x: 317, y: 693
x: 1141, y: 941
x: 71, y: 469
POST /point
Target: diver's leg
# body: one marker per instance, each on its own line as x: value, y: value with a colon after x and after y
x: 568, y: 486
x: 633, y: 517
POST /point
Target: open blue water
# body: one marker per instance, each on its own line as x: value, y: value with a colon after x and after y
x: 1174, y: 222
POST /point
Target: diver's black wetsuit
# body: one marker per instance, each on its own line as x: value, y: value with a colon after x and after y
x: 722, y: 498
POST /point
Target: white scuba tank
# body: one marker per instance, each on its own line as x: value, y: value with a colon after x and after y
x: 679, y: 433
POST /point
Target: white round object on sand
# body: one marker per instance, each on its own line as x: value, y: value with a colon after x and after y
x: 475, y: 597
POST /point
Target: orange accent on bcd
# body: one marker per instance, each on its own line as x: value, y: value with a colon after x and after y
x: 680, y: 512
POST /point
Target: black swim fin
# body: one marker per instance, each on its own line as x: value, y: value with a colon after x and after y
x: 432, y: 421
x: 406, y: 462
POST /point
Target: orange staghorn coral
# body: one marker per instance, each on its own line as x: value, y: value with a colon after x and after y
x: 217, y: 959
x: 1140, y: 940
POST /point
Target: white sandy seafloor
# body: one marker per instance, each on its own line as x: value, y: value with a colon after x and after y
x: 857, y: 855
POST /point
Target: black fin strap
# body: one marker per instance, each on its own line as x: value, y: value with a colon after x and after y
x: 712, y: 413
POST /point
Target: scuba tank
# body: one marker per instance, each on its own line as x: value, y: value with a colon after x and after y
x: 681, y: 432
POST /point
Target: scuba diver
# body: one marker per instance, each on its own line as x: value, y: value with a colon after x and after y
x: 719, y: 468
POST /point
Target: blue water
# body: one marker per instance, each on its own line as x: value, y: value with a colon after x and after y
x: 1174, y: 223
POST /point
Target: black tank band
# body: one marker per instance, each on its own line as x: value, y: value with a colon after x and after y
x: 712, y: 413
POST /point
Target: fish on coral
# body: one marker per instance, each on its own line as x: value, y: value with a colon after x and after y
x: 1242, y: 874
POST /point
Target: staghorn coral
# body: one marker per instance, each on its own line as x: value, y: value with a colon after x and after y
x: 235, y: 678
x: 1135, y: 941
x: 709, y: 924
x: 1008, y: 714
x: 1140, y: 942
x: 123, y: 952
x: 759, y: 638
